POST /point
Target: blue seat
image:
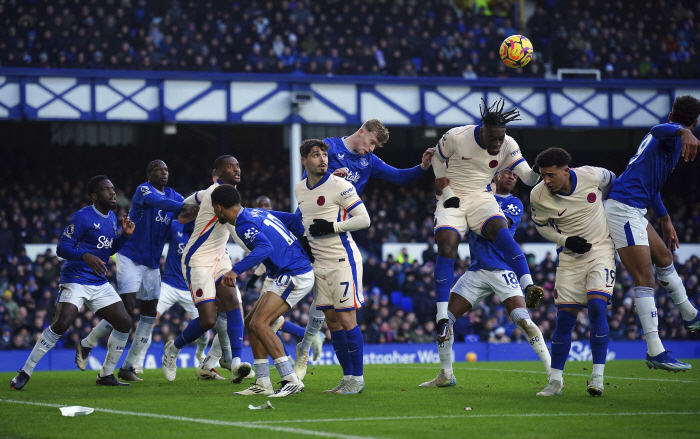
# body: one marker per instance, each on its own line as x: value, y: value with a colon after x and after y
x: 396, y: 297
x: 407, y: 304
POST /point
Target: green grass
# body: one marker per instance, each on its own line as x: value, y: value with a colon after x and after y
x: 637, y: 402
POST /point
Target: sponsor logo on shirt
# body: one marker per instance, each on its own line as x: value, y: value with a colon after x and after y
x: 347, y: 193
x: 341, y: 156
x: 104, y: 242
x: 514, y: 153
x: 353, y: 177
x: 97, y: 226
x: 162, y: 218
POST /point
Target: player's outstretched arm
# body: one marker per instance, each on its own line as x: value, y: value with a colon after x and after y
x: 688, y: 139
x: 401, y: 176
x: 150, y: 199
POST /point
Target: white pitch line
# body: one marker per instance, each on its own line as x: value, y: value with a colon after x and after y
x: 607, y: 377
x: 203, y: 421
x: 466, y: 416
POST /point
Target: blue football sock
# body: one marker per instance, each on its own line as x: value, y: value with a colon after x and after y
x: 234, y: 328
x: 512, y: 253
x: 444, y: 277
x: 340, y: 346
x: 191, y: 333
x: 355, y: 349
x: 283, y: 345
x: 561, y: 339
x: 291, y: 328
x: 600, y: 333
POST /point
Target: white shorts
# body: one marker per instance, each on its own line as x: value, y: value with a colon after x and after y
x: 137, y: 278
x: 292, y: 288
x: 170, y: 295
x: 627, y: 224
x: 574, y: 284
x: 95, y: 297
x: 475, y: 286
x: 339, y: 288
x: 473, y: 213
x: 202, y: 280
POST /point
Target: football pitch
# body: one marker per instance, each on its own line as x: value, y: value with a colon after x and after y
x: 637, y: 402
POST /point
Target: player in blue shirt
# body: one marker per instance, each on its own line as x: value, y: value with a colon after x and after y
x: 488, y: 274
x: 138, y: 263
x: 86, y: 244
x: 353, y: 158
x: 636, y: 241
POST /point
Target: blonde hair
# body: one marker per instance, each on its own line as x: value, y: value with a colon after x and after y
x: 375, y: 126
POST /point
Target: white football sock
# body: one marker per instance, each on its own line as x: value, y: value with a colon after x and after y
x: 224, y: 341
x: 47, y: 340
x: 142, y: 356
x: 598, y: 369
x: 556, y: 374
x: 115, y: 348
x: 526, y: 280
x: 316, y: 319
x: 202, y: 343
x: 648, y: 316
x: 441, y: 311
x: 669, y: 279
x: 534, y: 336
x: 445, y: 349
x: 97, y: 332
x: 141, y: 338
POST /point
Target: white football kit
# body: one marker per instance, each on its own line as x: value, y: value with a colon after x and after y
x: 579, y: 213
x: 470, y: 169
x: 205, y: 259
x: 338, y: 262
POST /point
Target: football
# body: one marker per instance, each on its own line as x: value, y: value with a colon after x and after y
x: 516, y: 51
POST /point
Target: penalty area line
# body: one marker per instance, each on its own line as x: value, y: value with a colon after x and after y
x: 607, y: 377
x: 251, y: 425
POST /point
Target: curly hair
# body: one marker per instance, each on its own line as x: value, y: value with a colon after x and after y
x: 309, y: 144
x: 225, y: 196
x: 553, y: 157
x: 94, y: 181
x: 686, y: 110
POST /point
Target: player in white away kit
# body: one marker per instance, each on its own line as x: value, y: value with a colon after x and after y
x: 474, y: 154
x: 567, y: 208
x: 325, y: 203
x: 489, y: 274
x: 205, y: 261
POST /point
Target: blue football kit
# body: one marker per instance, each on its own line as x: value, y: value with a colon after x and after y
x: 152, y: 211
x: 88, y: 231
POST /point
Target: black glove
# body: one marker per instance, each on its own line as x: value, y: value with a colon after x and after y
x: 304, y: 241
x: 321, y: 227
x: 251, y: 282
x: 536, y: 169
x: 577, y: 244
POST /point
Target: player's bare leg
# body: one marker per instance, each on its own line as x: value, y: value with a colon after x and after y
x: 637, y: 261
x: 662, y: 257
x: 496, y: 230
x: 447, y: 241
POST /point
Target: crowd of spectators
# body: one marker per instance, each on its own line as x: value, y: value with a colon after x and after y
x: 639, y: 40
x: 328, y: 37
x: 399, y: 292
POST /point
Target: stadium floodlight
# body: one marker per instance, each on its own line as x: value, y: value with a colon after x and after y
x: 578, y: 74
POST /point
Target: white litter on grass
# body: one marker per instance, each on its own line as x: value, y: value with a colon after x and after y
x: 267, y: 405
x: 76, y: 410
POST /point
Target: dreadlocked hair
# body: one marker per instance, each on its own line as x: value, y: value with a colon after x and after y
x: 493, y: 116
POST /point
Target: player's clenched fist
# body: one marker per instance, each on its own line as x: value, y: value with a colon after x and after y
x: 577, y: 244
x: 229, y: 279
x: 321, y: 227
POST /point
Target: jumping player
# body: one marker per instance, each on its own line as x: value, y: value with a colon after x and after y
x: 476, y: 153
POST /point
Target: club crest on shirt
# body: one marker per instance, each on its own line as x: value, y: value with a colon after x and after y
x: 364, y: 162
x: 591, y: 197
x: 321, y: 200
x: 69, y: 230
x: 493, y: 163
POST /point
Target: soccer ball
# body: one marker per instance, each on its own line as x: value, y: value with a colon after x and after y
x: 516, y: 51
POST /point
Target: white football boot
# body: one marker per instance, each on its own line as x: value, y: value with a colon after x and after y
x: 441, y: 380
